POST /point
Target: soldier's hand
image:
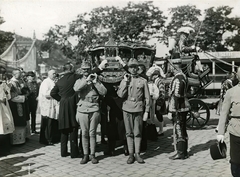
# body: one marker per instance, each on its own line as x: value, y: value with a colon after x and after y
x: 170, y: 116
x: 220, y: 138
x: 103, y: 64
x: 95, y: 79
x: 145, y: 116
x: 118, y: 58
x: 126, y: 77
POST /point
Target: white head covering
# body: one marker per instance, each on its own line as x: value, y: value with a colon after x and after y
x: 185, y: 29
x: 154, y: 68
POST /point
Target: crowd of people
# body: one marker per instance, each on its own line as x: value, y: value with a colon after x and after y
x: 72, y: 105
x: 76, y: 102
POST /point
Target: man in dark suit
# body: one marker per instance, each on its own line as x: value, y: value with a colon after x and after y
x: 63, y: 92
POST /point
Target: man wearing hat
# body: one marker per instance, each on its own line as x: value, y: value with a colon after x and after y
x: 89, y: 90
x: 134, y: 90
x: 181, y: 44
x: 178, y: 109
x: 231, y: 108
x: 63, y: 91
x: 32, y: 98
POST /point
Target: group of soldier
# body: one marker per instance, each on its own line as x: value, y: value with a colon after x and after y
x: 83, y: 100
x: 79, y: 100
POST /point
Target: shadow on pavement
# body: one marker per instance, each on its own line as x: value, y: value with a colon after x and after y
x: 162, y: 145
x: 10, y: 168
x: 201, y: 147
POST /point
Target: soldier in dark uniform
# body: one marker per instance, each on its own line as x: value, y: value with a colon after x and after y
x: 179, y: 107
x: 134, y: 90
x: 231, y: 108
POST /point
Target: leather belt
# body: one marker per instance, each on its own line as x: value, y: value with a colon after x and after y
x: 133, y: 99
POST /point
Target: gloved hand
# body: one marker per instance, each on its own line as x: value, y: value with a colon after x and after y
x: 119, y: 59
x: 102, y: 57
x: 95, y: 79
x: 170, y: 116
x: 145, y: 116
x: 220, y: 138
x: 103, y: 64
x: 126, y: 77
x: 91, y: 77
x: 193, y: 46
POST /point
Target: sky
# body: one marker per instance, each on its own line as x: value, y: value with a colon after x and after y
x: 25, y: 16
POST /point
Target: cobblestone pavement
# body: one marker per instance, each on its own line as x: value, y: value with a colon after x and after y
x: 34, y: 159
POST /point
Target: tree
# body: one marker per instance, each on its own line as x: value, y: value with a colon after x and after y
x: 139, y: 22
x: 181, y: 16
x: 234, y: 40
x: 215, y: 24
x: 135, y: 22
x: 56, y: 37
x: 5, y: 38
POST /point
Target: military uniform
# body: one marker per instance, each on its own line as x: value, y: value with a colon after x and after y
x: 136, y: 97
x: 88, y: 113
x: 231, y: 108
x: 179, y: 107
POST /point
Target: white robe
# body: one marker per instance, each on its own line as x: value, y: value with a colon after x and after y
x: 154, y: 93
x: 6, y: 119
x: 47, y: 105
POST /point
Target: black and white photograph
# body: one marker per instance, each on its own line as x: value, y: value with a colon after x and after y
x: 120, y: 88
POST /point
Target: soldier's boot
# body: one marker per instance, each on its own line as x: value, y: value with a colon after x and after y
x: 93, y: 159
x: 85, y: 159
x: 181, y: 151
x: 138, y: 158
x: 125, y: 148
x: 131, y: 159
x: 130, y: 144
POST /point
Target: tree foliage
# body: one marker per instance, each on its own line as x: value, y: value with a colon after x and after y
x: 135, y: 22
x: 215, y: 24
x: 143, y: 21
x: 5, y: 38
x: 181, y: 16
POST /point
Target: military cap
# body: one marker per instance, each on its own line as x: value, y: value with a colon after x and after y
x: 133, y: 61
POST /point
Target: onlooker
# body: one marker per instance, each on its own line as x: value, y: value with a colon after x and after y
x: 134, y: 90
x: 226, y: 84
x: 6, y: 119
x: 231, y: 108
x: 156, y: 75
x: 89, y: 89
x: 25, y: 91
x: 64, y: 93
x: 18, y: 109
x: 179, y: 107
x: 49, y: 109
x: 33, y: 87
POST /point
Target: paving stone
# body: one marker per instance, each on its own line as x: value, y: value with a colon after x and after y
x: 46, y: 160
